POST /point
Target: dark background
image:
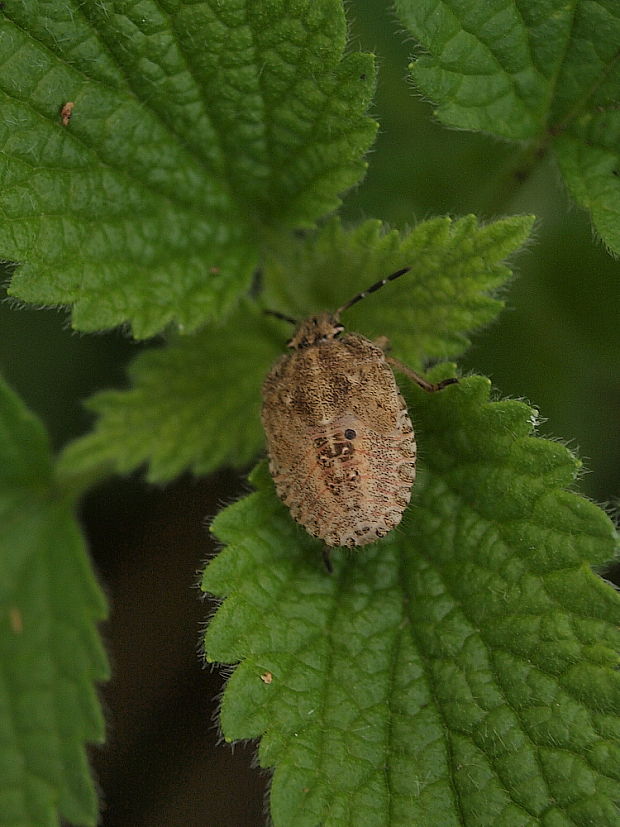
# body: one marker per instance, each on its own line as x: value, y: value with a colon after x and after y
x: 556, y: 345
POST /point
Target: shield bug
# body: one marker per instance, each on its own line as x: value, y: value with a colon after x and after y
x: 341, y: 446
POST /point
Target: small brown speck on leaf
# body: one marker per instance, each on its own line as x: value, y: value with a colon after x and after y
x: 266, y: 677
x: 16, y: 620
x: 66, y: 112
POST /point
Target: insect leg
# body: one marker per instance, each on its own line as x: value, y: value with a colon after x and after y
x: 426, y: 386
x: 327, y: 560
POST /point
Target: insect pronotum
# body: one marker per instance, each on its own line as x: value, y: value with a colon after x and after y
x: 341, y: 446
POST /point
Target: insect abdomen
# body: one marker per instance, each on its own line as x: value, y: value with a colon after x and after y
x: 343, y: 461
x: 367, y: 492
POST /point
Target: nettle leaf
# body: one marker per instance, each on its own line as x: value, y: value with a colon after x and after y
x: 461, y: 671
x: 451, y: 290
x: 50, y: 652
x: 195, y: 403
x: 544, y: 72
x: 193, y: 128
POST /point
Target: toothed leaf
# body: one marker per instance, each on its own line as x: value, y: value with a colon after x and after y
x: 196, y: 131
x: 50, y: 652
x: 460, y: 671
x: 546, y: 72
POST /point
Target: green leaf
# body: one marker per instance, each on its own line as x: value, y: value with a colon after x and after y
x: 195, y: 403
x: 461, y: 671
x: 451, y: 291
x: 197, y: 130
x: 544, y: 72
x: 50, y: 652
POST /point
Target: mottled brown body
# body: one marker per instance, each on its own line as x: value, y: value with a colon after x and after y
x: 341, y: 446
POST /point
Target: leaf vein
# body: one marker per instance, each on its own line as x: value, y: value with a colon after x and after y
x: 450, y: 758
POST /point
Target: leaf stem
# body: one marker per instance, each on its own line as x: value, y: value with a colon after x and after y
x: 516, y: 173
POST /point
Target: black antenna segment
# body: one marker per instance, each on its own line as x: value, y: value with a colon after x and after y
x: 371, y: 289
x: 277, y: 315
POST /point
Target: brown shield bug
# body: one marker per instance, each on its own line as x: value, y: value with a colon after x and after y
x: 341, y: 446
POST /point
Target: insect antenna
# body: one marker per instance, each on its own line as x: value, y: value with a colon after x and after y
x: 377, y: 286
x: 277, y: 315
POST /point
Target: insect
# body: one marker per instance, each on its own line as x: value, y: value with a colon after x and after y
x: 66, y: 112
x: 341, y: 446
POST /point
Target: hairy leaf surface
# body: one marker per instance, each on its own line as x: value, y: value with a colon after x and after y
x: 452, y: 289
x: 50, y: 652
x: 545, y: 72
x: 461, y: 671
x: 196, y: 128
x: 195, y: 403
